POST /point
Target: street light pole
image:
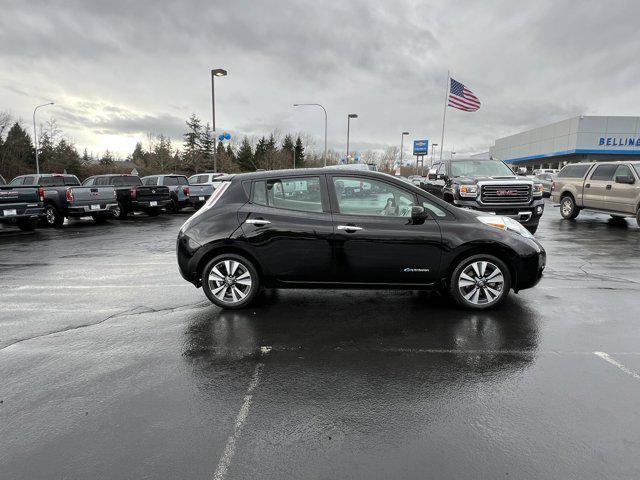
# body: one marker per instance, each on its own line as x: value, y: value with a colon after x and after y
x: 324, y: 157
x: 217, y: 72
x: 402, y: 149
x: 349, y: 117
x: 35, y: 135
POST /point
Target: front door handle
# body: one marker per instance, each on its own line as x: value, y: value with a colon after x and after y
x: 588, y: 185
x: 608, y: 187
x: 349, y: 228
x: 258, y: 222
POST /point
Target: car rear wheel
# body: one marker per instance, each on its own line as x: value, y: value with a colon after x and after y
x: 568, y: 208
x: 119, y: 211
x: 638, y: 217
x: 174, y: 206
x: 230, y: 281
x: 53, y: 217
x: 480, y: 282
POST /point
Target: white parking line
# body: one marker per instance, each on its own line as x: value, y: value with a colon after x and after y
x: 230, y: 448
x: 88, y: 287
x: 605, y: 356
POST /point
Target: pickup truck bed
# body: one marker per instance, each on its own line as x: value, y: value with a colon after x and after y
x: 21, y: 206
x: 199, y: 194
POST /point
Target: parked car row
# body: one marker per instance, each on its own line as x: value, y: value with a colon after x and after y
x: 50, y: 198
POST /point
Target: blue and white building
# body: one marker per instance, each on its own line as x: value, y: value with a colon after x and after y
x: 579, y: 139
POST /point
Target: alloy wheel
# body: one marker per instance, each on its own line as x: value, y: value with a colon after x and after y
x: 567, y: 207
x: 230, y: 281
x: 481, y: 283
x: 51, y: 216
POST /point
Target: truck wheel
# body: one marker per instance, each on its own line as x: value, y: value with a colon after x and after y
x: 568, y: 208
x: 173, y: 207
x: 638, y: 217
x: 230, y: 281
x: 480, y: 282
x: 119, y: 211
x: 532, y: 229
x: 53, y: 217
x: 28, y: 225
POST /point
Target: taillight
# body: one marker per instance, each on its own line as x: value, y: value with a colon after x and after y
x: 115, y: 195
x: 185, y: 190
x: 41, y: 194
x: 553, y: 186
x: 134, y: 193
x: 69, y: 195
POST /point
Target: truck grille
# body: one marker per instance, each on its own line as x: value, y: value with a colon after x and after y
x: 505, y: 194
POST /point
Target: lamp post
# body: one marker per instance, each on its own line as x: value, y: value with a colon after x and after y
x: 349, y: 117
x: 216, y: 72
x: 324, y: 156
x: 402, y: 148
x: 433, y: 146
x: 35, y: 135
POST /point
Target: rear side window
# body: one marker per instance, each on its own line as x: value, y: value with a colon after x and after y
x: 302, y: 194
x: 17, y: 181
x: 126, y: 181
x: 52, y: 181
x: 150, y: 181
x: 574, y: 171
x: 604, y: 172
x: 71, y: 180
x: 28, y: 181
x: 171, y: 181
x: 88, y: 182
x: 623, y: 171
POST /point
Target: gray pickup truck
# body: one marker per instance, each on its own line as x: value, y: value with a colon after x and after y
x: 21, y: 206
x: 64, y: 197
x: 606, y: 187
x: 201, y: 188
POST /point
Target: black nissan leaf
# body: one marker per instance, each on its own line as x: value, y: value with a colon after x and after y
x: 336, y: 228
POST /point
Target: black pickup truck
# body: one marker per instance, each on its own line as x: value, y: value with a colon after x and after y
x: 21, y: 205
x: 64, y: 197
x: 488, y: 186
x: 131, y: 195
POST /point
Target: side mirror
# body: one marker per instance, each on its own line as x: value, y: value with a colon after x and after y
x: 624, y: 179
x: 418, y: 213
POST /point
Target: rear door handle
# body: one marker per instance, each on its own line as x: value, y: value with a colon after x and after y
x: 259, y: 222
x: 349, y: 228
x: 588, y: 185
x: 608, y: 187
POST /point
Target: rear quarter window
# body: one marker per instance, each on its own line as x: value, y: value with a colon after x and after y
x: 574, y: 171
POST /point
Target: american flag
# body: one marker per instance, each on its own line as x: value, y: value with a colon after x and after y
x: 462, y: 98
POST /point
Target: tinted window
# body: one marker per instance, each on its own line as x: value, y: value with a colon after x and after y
x: 52, y: 181
x: 150, y: 181
x: 637, y: 168
x: 434, y: 209
x: 125, y: 181
x: 604, y: 172
x: 171, y: 181
x: 623, y: 171
x: 17, y: 181
x: 294, y: 193
x: 88, y: 182
x: 259, y: 195
x: 71, y: 180
x: 363, y: 196
x: 574, y: 171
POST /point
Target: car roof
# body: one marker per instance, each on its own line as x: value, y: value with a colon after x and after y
x: 299, y: 172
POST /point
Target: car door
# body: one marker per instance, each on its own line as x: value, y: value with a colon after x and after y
x: 288, y: 226
x: 597, y: 184
x: 375, y: 239
x: 621, y: 197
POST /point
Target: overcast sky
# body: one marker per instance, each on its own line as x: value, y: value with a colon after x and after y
x: 119, y: 69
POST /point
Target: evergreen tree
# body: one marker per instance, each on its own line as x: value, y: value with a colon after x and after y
x: 207, y: 142
x: 86, y: 159
x: 138, y: 157
x: 17, y: 155
x: 192, y: 148
x: 161, y: 155
x: 299, y: 153
x: 67, y: 158
x: 245, y: 158
x: 107, y: 159
x: 270, y: 153
x: 230, y: 153
x: 288, y: 149
x: 259, y: 157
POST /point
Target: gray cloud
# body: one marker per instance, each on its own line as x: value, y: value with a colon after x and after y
x: 126, y: 68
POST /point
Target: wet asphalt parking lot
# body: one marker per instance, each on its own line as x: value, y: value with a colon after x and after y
x: 113, y: 367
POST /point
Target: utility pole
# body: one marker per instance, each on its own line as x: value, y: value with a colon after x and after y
x: 217, y: 72
x: 35, y: 135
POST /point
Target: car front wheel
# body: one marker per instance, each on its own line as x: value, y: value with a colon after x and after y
x: 480, y: 282
x: 230, y: 281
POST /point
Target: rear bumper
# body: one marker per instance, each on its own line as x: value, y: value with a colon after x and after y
x: 527, y: 215
x: 138, y: 205
x: 22, y: 214
x: 198, y: 199
x: 84, y: 210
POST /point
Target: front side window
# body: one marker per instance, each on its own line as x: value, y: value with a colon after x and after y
x: 604, y: 172
x: 301, y: 194
x: 364, y: 196
x: 623, y: 171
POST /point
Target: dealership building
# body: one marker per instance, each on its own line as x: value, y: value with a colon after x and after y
x: 578, y: 139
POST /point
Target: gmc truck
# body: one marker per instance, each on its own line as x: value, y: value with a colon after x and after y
x: 131, y: 195
x: 64, y: 197
x: 178, y: 186
x: 605, y: 187
x: 21, y: 205
x: 487, y: 186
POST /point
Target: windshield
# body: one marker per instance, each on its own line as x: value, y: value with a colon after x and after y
x: 479, y: 168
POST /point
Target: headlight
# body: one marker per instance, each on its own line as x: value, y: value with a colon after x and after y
x: 505, y: 223
x: 468, y: 190
x: 538, y: 188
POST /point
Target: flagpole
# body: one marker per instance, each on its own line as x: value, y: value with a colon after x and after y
x: 444, y: 114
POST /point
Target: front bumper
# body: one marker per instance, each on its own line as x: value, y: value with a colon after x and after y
x: 531, y: 268
x: 527, y: 215
x: 84, y: 210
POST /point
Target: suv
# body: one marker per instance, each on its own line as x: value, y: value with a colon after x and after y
x: 303, y: 229
x: 607, y: 187
x: 488, y: 186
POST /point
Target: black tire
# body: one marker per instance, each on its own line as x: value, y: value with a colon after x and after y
x: 28, y: 225
x: 532, y: 229
x: 174, y: 206
x: 99, y: 218
x: 153, y: 212
x: 226, y: 290
x: 638, y: 216
x: 485, y: 298
x: 120, y: 212
x: 568, y: 208
x: 52, y: 216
